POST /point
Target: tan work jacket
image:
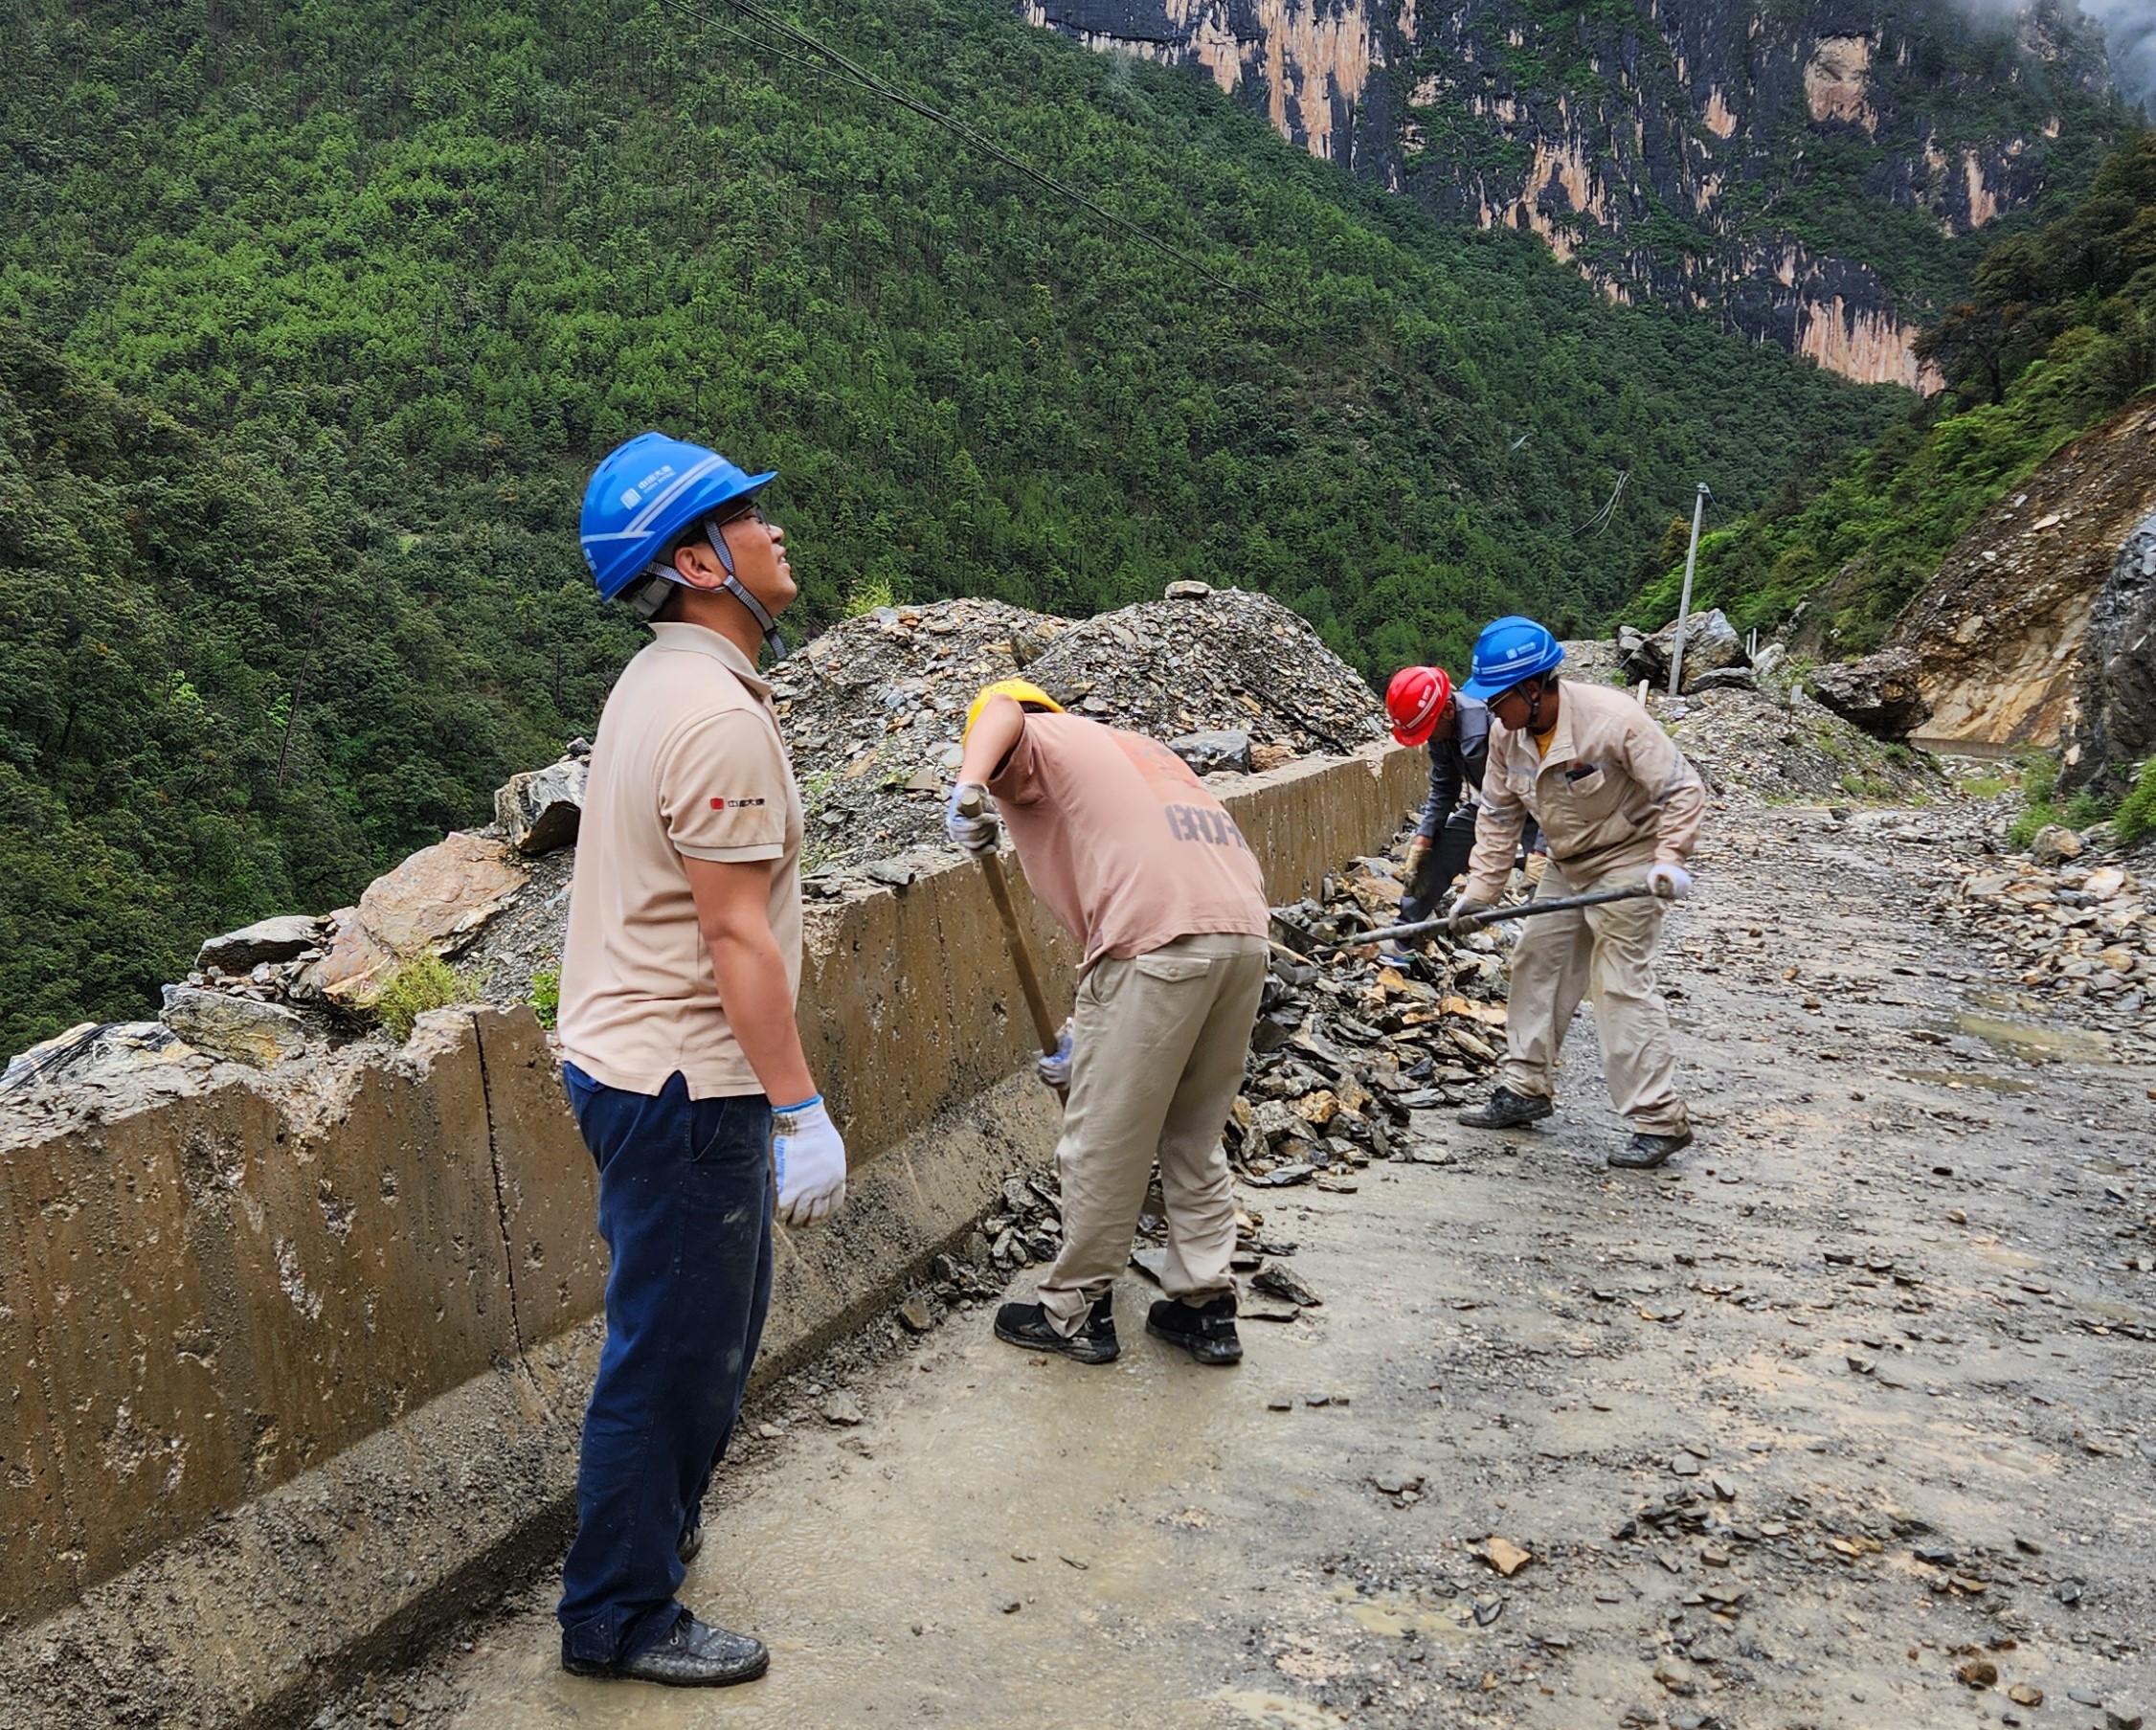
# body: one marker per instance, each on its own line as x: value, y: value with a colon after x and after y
x: 1614, y: 793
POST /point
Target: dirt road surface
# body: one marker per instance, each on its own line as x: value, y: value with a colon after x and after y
x: 1838, y: 1424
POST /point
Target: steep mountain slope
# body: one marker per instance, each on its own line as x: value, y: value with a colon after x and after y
x: 406, y: 269
x: 1980, y: 543
x: 1810, y: 170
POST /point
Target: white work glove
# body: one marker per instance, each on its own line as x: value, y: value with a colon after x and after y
x: 1667, y: 881
x: 1054, y: 1067
x: 975, y: 834
x: 1459, y: 917
x: 810, y: 1161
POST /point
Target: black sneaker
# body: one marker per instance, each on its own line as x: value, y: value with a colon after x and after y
x: 1206, y: 1331
x: 694, y: 1655
x: 691, y: 1540
x: 1645, y: 1152
x: 1028, y: 1325
x: 1507, y: 1110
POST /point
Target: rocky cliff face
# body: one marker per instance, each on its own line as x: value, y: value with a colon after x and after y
x: 1802, y: 169
x: 2037, y: 628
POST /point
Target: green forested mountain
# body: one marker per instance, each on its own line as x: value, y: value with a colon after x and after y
x: 2058, y: 333
x: 399, y: 273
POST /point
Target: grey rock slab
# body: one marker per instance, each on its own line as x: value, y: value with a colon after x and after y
x: 1218, y: 753
x: 237, y: 1029
x: 540, y: 810
x: 283, y: 938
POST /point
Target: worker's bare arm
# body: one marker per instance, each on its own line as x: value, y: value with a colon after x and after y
x: 996, y: 732
x: 732, y: 903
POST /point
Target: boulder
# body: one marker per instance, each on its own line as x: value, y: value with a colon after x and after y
x: 539, y: 810
x: 233, y: 1027
x: 1214, y: 752
x: 1723, y: 679
x: 2116, y: 722
x: 2054, y: 845
x: 435, y: 903
x: 283, y: 938
x: 1879, y: 693
x: 1769, y: 658
x: 1709, y: 644
x: 1187, y: 589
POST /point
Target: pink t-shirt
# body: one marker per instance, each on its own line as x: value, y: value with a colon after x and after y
x: 1121, y: 841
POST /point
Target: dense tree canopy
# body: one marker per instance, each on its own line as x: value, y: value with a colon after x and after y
x: 402, y: 272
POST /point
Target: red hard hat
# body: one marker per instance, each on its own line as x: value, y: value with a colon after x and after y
x: 1415, y: 699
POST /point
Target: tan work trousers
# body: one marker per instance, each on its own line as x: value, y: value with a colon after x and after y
x: 1606, y: 954
x: 1157, y: 1053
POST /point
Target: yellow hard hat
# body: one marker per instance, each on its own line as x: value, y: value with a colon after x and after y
x: 1019, y: 690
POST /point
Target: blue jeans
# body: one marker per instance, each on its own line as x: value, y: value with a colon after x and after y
x: 685, y: 1206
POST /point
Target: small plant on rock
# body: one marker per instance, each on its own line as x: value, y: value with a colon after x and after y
x: 422, y: 984
x: 544, y: 997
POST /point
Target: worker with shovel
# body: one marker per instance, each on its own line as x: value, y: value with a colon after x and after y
x: 1619, y: 808
x: 1146, y: 868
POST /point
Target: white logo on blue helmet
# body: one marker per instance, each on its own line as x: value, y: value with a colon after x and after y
x: 631, y: 498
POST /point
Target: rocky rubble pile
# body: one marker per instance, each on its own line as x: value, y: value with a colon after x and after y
x: 874, y: 708
x: 2067, y: 931
x: 1772, y: 746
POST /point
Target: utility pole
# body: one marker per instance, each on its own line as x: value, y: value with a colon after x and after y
x: 1684, y: 605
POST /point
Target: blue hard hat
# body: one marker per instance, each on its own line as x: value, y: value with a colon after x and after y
x: 645, y: 495
x: 1508, y: 651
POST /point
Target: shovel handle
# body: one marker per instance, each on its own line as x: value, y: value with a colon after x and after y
x: 1497, y: 915
x: 970, y: 805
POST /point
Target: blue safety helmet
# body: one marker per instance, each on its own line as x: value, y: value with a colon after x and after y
x: 644, y: 497
x: 1508, y: 651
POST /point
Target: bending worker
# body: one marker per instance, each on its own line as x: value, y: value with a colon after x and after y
x: 1124, y: 845
x: 1426, y: 711
x: 1619, y: 806
x: 678, y: 981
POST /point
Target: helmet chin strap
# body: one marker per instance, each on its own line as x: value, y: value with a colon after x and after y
x: 735, y: 587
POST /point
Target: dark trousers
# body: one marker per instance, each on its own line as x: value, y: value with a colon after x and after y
x: 1446, y: 858
x: 684, y: 1207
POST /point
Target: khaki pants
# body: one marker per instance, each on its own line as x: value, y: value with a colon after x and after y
x: 1157, y: 1048
x: 1606, y: 953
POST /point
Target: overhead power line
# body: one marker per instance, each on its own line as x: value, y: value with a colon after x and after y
x: 838, y: 65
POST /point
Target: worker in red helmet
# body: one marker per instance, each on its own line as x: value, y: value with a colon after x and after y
x: 1426, y: 711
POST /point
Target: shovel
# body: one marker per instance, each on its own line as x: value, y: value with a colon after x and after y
x: 1029, y: 981
x: 1497, y: 915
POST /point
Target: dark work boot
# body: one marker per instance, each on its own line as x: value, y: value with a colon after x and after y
x: 1028, y: 1325
x: 694, y: 1655
x: 1645, y: 1152
x: 1205, y: 1331
x: 1507, y: 1110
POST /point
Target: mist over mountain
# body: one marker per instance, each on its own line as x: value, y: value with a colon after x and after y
x: 2130, y: 28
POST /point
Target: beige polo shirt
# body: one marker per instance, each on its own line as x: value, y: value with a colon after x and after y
x: 688, y: 762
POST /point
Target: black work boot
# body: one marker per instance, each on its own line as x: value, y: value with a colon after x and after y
x: 1028, y: 1325
x: 1205, y: 1331
x: 694, y: 1655
x: 1645, y: 1152
x: 1507, y: 1110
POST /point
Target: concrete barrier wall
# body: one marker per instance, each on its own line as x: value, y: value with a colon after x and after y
x: 208, y: 1299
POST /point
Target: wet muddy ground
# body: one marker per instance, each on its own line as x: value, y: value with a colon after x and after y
x: 1838, y: 1423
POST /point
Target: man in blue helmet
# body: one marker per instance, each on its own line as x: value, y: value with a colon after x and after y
x: 678, y: 981
x: 1618, y: 806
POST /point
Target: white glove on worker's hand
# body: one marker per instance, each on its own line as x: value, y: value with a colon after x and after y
x: 810, y: 1161
x: 1669, y: 882
x: 975, y: 834
x: 1459, y: 917
x: 1054, y: 1067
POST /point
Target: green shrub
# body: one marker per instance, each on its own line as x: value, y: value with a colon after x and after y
x: 422, y: 984
x: 2085, y: 808
x: 2039, y: 775
x: 2137, y: 813
x: 2038, y: 816
x: 867, y: 593
x: 544, y: 997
